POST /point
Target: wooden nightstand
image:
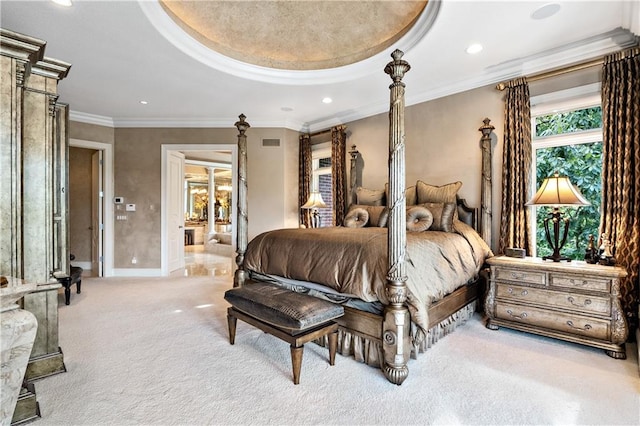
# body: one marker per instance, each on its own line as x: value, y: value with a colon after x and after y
x: 573, y: 301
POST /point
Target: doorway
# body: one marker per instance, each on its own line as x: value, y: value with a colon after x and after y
x: 91, y: 209
x: 180, y: 211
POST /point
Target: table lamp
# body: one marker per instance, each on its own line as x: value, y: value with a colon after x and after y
x: 315, y: 202
x: 557, y: 191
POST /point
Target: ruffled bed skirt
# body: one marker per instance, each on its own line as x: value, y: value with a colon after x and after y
x: 370, y: 351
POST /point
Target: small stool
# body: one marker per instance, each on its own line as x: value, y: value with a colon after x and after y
x: 293, y: 317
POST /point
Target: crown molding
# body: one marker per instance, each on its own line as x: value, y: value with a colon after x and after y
x: 83, y: 117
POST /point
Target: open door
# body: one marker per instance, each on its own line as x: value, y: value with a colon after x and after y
x: 97, y: 214
x: 175, y: 210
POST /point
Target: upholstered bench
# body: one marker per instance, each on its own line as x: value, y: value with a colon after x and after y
x: 293, y: 317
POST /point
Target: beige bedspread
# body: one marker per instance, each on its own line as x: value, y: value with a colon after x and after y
x: 354, y: 261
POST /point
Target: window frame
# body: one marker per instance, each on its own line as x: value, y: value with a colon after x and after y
x: 552, y: 103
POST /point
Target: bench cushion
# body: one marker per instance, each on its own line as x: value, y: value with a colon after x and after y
x: 280, y: 307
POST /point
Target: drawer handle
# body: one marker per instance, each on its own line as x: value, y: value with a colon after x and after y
x: 571, y: 300
x: 583, y: 282
x: 522, y: 293
x: 518, y: 276
x: 520, y: 317
x: 586, y: 327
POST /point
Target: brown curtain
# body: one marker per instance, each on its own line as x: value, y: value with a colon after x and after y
x: 338, y: 172
x: 516, y: 160
x: 620, y: 215
x: 304, y: 179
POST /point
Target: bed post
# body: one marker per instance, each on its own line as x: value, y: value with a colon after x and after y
x: 486, y: 201
x: 353, y: 173
x: 396, y: 324
x: 242, y: 220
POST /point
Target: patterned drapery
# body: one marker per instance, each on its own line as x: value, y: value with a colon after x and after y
x: 338, y: 172
x: 304, y: 179
x: 620, y: 214
x: 514, y: 225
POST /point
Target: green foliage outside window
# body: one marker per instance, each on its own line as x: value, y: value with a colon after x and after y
x: 582, y: 163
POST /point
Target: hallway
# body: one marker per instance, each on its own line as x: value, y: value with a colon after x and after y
x: 201, y: 263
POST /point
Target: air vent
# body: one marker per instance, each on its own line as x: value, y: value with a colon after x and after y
x: 271, y: 143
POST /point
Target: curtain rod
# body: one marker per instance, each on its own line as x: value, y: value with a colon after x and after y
x: 571, y: 68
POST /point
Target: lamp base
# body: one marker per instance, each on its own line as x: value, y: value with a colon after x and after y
x: 556, y: 258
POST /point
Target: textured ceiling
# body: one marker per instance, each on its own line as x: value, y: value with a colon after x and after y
x: 296, y: 35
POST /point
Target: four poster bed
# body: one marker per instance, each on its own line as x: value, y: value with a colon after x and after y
x: 401, y: 289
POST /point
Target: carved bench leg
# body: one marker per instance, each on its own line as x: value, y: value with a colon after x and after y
x: 333, y: 347
x: 232, y: 321
x: 296, y: 361
x: 78, y: 284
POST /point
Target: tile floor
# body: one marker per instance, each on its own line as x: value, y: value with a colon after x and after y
x: 198, y: 262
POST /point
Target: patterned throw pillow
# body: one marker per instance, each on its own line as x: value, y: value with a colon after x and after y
x: 357, y: 217
x: 443, y: 214
x: 370, y: 197
x: 419, y: 218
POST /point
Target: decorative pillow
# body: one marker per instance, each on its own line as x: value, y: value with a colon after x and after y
x: 443, y: 214
x: 437, y: 194
x: 357, y: 217
x: 419, y: 219
x: 369, y: 197
x: 410, y: 194
x: 378, y: 215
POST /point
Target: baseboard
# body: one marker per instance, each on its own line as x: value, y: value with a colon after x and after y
x: 137, y: 272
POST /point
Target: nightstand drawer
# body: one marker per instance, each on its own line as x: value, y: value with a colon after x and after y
x: 560, y: 321
x: 531, y: 277
x: 580, y: 283
x: 579, y: 302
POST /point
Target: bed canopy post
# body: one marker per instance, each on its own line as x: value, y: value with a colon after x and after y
x: 486, y: 196
x: 396, y: 323
x: 242, y: 238
x: 353, y: 178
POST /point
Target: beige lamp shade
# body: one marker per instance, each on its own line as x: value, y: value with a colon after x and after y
x: 315, y: 201
x: 558, y: 191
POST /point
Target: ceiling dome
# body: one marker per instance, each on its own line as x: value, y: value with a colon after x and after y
x: 306, y: 42
x: 296, y: 35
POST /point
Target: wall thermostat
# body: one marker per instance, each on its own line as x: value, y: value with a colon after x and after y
x: 118, y: 200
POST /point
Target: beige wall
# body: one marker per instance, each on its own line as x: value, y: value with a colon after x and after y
x: 137, y: 176
x: 442, y: 144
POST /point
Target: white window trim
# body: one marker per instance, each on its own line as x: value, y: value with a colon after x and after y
x: 318, y: 151
x: 557, y: 102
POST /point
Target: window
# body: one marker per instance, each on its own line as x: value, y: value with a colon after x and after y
x: 567, y: 138
x: 322, y: 180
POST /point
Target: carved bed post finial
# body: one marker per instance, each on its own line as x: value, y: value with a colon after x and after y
x: 396, y: 324
x: 352, y: 173
x: 486, y: 193
x: 243, y: 220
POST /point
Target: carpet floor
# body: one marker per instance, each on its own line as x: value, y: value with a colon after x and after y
x: 156, y: 352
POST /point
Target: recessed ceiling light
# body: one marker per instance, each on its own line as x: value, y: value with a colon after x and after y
x: 65, y: 3
x: 545, y: 11
x: 327, y: 100
x: 474, y: 48
x: 144, y: 102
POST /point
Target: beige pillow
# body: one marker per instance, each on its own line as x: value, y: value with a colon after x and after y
x: 419, y: 218
x: 378, y: 215
x: 370, y: 197
x: 357, y: 217
x: 443, y: 214
x: 437, y: 194
x: 410, y: 194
